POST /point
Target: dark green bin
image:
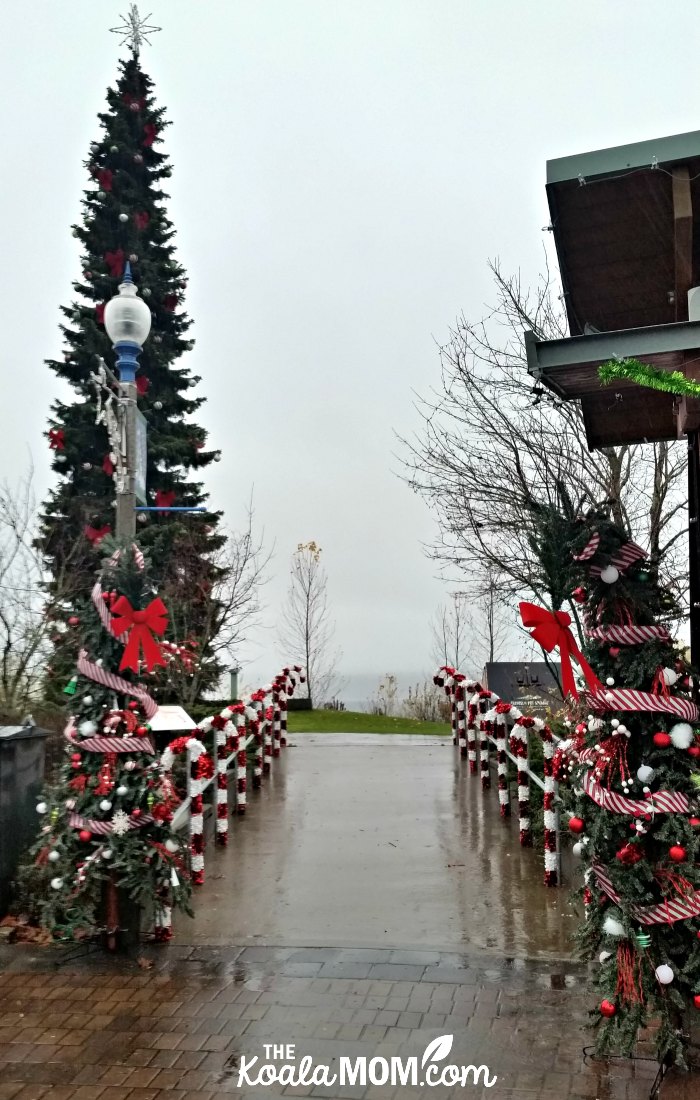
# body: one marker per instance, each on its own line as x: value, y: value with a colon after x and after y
x: 21, y: 781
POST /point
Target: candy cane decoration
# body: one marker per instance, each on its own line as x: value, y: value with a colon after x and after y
x: 519, y: 748
x: 241, y: 763
x: 460, y: 718
x: 99, y: 675
x: 486, y: 730
x: 624, y: 699
x: 551, y: 832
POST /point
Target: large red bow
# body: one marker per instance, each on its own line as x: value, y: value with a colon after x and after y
x: 96, y: 534
x: 550, y: 629
x: 115, y: 262
x: 140, y: 624
x: 57, y: 439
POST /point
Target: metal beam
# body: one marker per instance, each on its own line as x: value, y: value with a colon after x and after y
x: 682, y: 240
x: 676, y: 149
x: 598, y: 347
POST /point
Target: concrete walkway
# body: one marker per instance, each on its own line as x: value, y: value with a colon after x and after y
x: 378, y: 841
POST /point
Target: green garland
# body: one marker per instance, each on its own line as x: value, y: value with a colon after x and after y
x: 646, y: 375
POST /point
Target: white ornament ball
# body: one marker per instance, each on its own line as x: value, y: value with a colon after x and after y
x: 604, y: 956
x: 157, y: 404
x: 610, y: 574
x: 56, y: 883
x: 610, y: 681
x: 121, y: 791
x: 105, y: 805
x: 670, y: 676
x: 133, y: 258
x: 114, y: 148
x: 106, y: 853
x: 614, y: 722
x: 86, y: 729
x: 613, y: 927
x: 146, y: 292
x: 664, y: 974
x: 645, y: 773
x: 172, y: 845
x: 130, y: 765
x: 70, y: 803
x: 621, y: 728
x: 87, y: 699
x: 87, y: 465
x: 682, y: 735
x: 101, y: 195
x: 41, y: 807
x: 54, y: 856
x: 123, y: 217
x: 577, y: 848
x: 646, y: 790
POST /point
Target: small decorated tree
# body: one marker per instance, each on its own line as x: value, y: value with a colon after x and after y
x: 106, y: 829
x: 631, y: 758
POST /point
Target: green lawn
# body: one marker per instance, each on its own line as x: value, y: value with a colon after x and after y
x: 349, y: 721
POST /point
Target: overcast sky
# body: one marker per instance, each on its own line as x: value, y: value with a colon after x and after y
x: 343, y: 171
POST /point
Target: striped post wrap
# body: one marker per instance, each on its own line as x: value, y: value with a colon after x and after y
x: 460, y: 723
x: 104, y: 828
x: 222, y: 745
x: 472, y: 711
x: 99, y: 675
x: 254, y: 726
x: 195, y: 749
x: 485, y: 730
x: 276, y: 720
x: 267, y: 739
x: 501, y: 731
x: 666, y: 912
x: 589, y: 549
x: 283, y: 713
x: 163, y: 931
x: 551, y: 830
x: 241, y: 769
x: 519, y: 749
x: 629, y: 635
x: 663, y: 802
x: 444, y: 678
x: 624, y: 699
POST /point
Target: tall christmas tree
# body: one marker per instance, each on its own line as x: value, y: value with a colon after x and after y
x: 106, y: 823
x: 125, y: 220
x: 632, y: 759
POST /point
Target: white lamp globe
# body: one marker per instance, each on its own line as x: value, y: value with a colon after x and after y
x: 127, y: 318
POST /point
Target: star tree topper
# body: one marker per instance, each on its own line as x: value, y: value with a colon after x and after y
x: 134, y: 30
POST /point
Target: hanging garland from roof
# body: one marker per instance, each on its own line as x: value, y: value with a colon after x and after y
x: 644, y: 374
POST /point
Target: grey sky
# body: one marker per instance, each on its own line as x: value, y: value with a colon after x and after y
x: 343, y: 169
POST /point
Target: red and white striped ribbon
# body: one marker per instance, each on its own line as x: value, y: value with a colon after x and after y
x: 629, y: 635
x: 519, y: 748
x: 624, y: 699
x: 459, y: 726
x: 115, y: 744
x: 551, y: 832
x: 589, y: 549
x: 666, y: 912
x: 501, y: 731
x: 664, y: 802
x: 622, y: 558
x: 103, y: 828
x: 100, y: 675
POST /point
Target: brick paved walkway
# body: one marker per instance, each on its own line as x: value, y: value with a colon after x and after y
x: 98, y: 1029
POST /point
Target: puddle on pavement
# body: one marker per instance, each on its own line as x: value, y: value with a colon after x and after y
x: 361, y: 841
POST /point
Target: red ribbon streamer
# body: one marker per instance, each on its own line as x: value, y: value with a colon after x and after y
x: 550, y: 629
x: 57, y: 439
x: 141, y: 626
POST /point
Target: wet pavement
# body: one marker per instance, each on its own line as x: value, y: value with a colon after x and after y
x: 378, y: 841
x: 370, y: 904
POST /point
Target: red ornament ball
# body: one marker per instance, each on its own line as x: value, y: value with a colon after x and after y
x: 75, y: 756
x: 74, y: 621
x: 136, y: 813
x: 76, y: 763
x: 607, y: 1008
x: 577, y: 825
x: 694, y: 821
x: 662, y: 740
x: 579, y: 595
x: 694, y: 751
x: 85, y: 835
x: 696, y: 1000
x: 142, y: 730
x: 677, y: 853
x: 614, y: 651
x: 133, y: 705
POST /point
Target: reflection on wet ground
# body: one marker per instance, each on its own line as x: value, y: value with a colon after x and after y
x: 373, y: 841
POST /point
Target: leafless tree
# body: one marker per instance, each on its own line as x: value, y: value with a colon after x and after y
x: 506, y: 469
x: 228, y: 585
x: 25, y: 626
x: 449, y: 628
x: 471, y: 629
x: 306, y: 630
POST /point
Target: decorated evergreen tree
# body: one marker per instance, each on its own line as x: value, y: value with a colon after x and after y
x: 106, y: 822
x: 631, y: 757
x: 125, y: 220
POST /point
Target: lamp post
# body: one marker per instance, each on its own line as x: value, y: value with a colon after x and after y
x: 127, y: 320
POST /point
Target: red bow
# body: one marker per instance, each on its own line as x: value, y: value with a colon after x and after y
x: 100, y: 313
x: 149, y: 134
x: 170, y: 302
x: 165, y: 499
x: 108, y: 465
x: 142, y: 384
x: 96, y: 534
x: 140, y: 624
x: 57, y: 439
x: 551, y: 629
x: 141, y: 219
x: 115, y: 262
x: 137, y: 101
